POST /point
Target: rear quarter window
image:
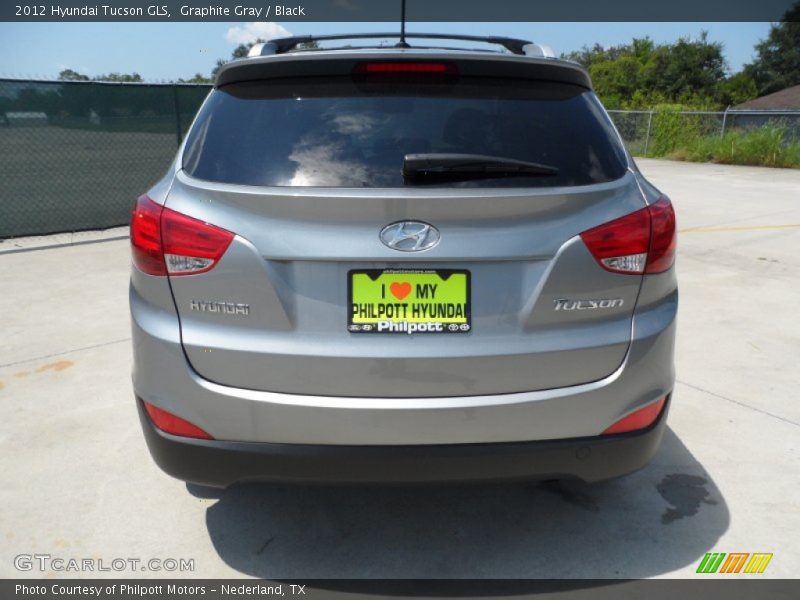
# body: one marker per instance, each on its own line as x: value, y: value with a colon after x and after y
x: 336, y: 132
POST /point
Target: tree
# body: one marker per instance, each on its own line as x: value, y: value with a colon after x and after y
x: 198, y: 78
x: 640, y: 74
x: 616, y: 81
x: 686, y: 70
x: 70, y: 75
x: 736, y: 89
x: 777, y: 64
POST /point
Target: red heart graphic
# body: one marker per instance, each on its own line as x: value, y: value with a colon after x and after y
x: 400, y: 290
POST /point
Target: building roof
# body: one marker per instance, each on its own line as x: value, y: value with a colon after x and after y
x: 786, y: 98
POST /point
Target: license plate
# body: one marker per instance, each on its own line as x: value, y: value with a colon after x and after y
x: 408, y: 301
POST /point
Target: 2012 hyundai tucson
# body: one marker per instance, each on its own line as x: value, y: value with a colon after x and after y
x: 402, y: 264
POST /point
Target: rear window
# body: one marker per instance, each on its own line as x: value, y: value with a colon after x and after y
x: 337, y: 132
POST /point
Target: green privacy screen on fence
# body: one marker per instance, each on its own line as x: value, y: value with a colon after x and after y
x: 75, y: 155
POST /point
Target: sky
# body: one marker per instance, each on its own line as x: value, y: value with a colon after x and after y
x: 167, y: 51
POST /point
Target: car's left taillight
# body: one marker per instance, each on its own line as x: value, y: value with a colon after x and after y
x: 166, y: 242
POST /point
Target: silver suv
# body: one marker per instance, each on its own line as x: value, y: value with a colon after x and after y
x: 402, y: 264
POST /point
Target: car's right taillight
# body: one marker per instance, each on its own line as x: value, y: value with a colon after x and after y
x: 166, y: 242
x: 664, y: 237
x: 640, y: 242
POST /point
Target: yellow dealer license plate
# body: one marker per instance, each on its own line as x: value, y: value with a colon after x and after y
x: 408, y: 301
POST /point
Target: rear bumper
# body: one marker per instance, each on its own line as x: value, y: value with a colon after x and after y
x: 223, y: 463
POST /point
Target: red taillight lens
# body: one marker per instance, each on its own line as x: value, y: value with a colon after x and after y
x: 191, y: 246
x: 168, y: 242
x: 169, y: 423
x: 621, y: 245
x: 404, y: 67
x: 640, y: 419
x: 664, y: 239
x: 641, y: 242
x: 146, y: 237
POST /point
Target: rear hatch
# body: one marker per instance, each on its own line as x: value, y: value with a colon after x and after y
x: 324, y: 290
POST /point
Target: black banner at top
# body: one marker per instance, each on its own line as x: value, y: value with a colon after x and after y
x: 389, y: 10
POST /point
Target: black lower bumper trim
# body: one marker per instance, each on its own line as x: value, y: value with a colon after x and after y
x: 220, y: 463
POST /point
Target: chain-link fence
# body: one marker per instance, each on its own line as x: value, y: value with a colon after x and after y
x: 659, y: 132
x: 76, y: 154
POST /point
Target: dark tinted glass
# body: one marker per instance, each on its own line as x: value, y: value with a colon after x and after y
x: 344, y: 133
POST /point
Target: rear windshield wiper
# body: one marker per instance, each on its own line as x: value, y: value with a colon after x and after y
x: 434, y: 166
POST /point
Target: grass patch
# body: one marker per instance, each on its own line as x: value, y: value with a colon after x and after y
x: 672, y: 129
x: 767, y: 146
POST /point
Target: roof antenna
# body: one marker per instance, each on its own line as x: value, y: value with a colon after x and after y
x: 402, y: 43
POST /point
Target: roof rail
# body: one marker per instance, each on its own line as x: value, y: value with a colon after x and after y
x: 287, y: 44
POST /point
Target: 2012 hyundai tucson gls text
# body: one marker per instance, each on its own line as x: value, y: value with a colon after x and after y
x: 402, y: 264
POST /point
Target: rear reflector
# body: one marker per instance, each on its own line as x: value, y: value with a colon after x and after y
x: 640, y: 242
x: 404, y: 67
x: 167, y: 242
x: 641, y: 419
x: 169, y: 423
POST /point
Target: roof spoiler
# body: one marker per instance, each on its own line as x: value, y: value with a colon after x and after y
x: 327, y: 64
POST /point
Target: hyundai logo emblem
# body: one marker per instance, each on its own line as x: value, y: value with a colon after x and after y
x: 410, y: 236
